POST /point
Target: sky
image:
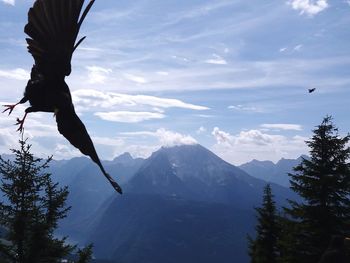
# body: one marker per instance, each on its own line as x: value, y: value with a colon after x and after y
x: 232, y: 76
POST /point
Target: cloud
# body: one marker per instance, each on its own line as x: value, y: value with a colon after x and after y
x: 17, y: 74
x: 280, y: 126
x: 97, y: 75
x: 107, y: 100
x: 240, y: 107
x: 134, y: 78
x: 65, y: 151
x: 222, y: 137
x: 112, y: 142
x: 255, y: 144
x: 165, y: 137
x: 298, y: 47
x: 218, y: 60
x: 198, y: 11
x: 201, y: 130
x: 129, y: 116
x: 9, y: 2
x: 283, y: 49
x: 170, y: 138
x: 310, y: 7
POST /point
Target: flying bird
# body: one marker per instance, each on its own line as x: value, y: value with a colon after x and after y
x: 312, y: 90
x: 53, y: 27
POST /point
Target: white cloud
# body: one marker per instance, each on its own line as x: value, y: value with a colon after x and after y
x: 170, y: 138
x: 134, y: 78
x: 112, y: 142
x: 281, y: 126
x: 254, y: 144
x: 298, y: 47
x: 64, y: 151
x: 9, y: 2
x: 256, y: 137
x: 222, y: 137
x: 240, y: 107
x: 218, y: 60
x: 97, y: 75
x: 201, y: 130
x: 283, y: 49
x: 165, y: 137
x: 129, y: 116
x: 310, y: 7
x: 17, y: 74
x: 107, y: 100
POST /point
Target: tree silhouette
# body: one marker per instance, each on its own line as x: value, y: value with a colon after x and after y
x: 323, y: 182
x: 263, y: 249
x: 32, y: 206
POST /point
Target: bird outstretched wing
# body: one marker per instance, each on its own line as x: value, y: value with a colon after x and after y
x: 53, y: 27
x: 73, y: 129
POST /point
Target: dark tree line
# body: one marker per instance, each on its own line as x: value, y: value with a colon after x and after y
x: 304, y: 230
x: 29, y: 213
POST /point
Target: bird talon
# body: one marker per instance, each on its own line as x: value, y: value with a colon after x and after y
x: 9, y: 107
x: 20, y: 123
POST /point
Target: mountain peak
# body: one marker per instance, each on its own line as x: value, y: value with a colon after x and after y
x: 123, y: 158
x: 193, y: 172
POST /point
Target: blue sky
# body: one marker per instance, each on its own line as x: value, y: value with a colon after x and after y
x: 230, y: 75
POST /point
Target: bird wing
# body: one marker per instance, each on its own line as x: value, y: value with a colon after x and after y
x: 73, y: 129
x: 53, y: 27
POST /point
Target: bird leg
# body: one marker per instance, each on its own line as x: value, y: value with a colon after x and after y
x: 21, y: 122
x: 10, y: 107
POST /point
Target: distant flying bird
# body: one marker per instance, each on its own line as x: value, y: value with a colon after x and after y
x: 53, y: 27
x: 312, y: 90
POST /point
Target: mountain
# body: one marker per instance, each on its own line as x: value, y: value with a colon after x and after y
x: 184, y: 204
x: 153, y: 228
x: 88, y: 188
x: 270, y: 172
x: 194, y: 173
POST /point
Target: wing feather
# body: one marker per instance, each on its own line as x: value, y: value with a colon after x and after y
x: 53, y: 26
x: 47, y: 16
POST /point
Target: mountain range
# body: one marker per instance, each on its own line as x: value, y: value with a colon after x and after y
x: 182, y: 204
x: 272, y: 172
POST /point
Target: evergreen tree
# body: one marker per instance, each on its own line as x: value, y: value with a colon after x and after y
x: 263, y: 249
x: 31, y: 209
x: 33, y: 206
x: 323, y: 182
x: 85, y: 254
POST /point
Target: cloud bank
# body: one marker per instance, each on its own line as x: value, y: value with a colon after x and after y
x: 255, y: 144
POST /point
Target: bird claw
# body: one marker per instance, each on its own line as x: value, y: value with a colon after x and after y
x: 9, y: 107
x: 20, y: 123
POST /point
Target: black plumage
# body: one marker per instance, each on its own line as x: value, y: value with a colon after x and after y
x: 53, y: 27
x: 312, y: 90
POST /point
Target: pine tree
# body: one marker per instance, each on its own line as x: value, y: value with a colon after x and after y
x: 323, y: 182
x: 263, y: 249
x: 31, y: 210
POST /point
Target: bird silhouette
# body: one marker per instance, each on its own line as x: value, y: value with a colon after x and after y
x: 312, y: 90
x: 53, y: 27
